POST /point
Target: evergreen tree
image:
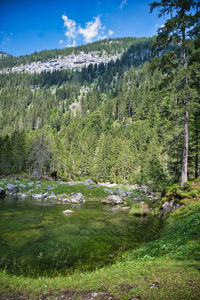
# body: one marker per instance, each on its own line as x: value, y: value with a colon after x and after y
x: 176, y: 31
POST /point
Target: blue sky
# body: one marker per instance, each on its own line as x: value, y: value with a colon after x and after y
x: 33, y: 25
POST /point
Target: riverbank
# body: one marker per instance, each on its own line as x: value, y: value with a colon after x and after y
x: 167, y: 268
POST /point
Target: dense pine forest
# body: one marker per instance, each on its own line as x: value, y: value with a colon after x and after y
x: 100, y: 163
x: 119, y: 122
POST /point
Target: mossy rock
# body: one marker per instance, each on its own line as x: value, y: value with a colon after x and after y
x: 140, y: 209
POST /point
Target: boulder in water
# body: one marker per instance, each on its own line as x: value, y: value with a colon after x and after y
x: 22, y: 196
x: 37, y: 196
x: 13, y: 189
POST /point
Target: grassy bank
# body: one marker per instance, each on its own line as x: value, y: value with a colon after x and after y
x: 167, y: 268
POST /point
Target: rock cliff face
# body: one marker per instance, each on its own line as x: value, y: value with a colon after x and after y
x: 72, y: 61
x: 3, y: 55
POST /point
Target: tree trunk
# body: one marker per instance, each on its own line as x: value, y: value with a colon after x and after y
x: 186, y: 117
x: 185, y: 150
x: 196, y: 148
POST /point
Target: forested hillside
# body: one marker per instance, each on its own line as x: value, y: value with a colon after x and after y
x: 117, y: 122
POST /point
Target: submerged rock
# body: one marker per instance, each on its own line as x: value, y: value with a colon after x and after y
x: 68, y: 212
x: 13, y: 189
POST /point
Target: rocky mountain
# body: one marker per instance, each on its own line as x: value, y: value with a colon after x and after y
x: 70, y: 58
x: 73, y: 61
x: 3, y: 55
x: 94, y: 111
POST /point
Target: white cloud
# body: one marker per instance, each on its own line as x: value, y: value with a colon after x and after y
x: 71, y: 32
x: 123, y: 3
x: 73, y: 44
x: 110, y: 32
x: 92, y: 31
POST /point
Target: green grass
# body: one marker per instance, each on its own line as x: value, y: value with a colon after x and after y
x: 173, y: 280
x: 167, y: 268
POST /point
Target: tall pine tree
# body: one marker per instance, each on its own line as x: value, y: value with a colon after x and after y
x: 177, y: 33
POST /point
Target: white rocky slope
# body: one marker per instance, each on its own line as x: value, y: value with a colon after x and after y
x: 72, y: 61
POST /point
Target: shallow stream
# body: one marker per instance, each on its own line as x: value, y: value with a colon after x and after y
x: 37, y: 239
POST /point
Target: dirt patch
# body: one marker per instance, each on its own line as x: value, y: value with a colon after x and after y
x: 59, y: 295
x: 10, y: 295
x: 82, y: 295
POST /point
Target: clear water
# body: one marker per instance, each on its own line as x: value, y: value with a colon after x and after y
x: 37, y: 239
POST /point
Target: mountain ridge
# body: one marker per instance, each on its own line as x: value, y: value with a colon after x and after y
x: 108, y: 47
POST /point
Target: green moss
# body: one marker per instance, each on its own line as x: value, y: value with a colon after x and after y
x: 23, y: 237
x: 185, y: 195
x: 139, y: 209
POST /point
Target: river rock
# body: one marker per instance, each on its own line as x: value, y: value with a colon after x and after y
x: 76, y: 198
x: 169, y: 206
x: 138, y: 198
x: 109, y: 191
x: 2, y: 192
x: 22, y: 196
x: 93, y: 186
x: 22, y: 185
x: 13, y: 189
x: 52, y: 195
x: 45, y: 194
x: 49, y: 188
x: 62, y: 195
x: 125, y: 207
x: 89, y: 182
x: 112, y: 200
x: 144, y: 189
x: 37, y: 196
x: 122, y: 193
x: 68, y: 212
x: 65, y: 200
